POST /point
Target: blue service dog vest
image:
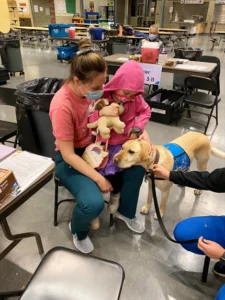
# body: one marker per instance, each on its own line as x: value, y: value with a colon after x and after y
x: 181, y: 159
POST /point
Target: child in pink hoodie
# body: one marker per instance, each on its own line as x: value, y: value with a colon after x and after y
x: 126, y: 86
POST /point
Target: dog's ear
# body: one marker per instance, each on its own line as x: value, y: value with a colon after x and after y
x: 98, y: 106
x: 144, y: 150
x: 101, y: 103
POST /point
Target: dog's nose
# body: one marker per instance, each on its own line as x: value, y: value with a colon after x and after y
x: 116, y: 160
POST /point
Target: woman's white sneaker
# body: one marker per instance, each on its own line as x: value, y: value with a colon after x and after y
x: 114, y: 202
x: 85, y: 246
x: 133, y: 224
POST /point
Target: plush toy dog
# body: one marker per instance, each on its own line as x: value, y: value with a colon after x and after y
x: 105, y: 123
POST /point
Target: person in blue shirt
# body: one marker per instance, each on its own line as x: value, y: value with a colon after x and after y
x: 153, y: 37
x: 209, y: 229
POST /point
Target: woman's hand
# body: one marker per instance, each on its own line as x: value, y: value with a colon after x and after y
x: 210, y: 248
x: 161, y: 172
x: 109, y: 111
x: 145, y: 137
x: 104, y: 185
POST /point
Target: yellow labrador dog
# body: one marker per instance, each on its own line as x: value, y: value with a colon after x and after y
x: 195, y: 145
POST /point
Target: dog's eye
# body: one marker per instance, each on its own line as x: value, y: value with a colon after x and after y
x: 131, y: 152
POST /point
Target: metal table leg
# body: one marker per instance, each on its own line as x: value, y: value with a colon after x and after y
x: 17, y: 238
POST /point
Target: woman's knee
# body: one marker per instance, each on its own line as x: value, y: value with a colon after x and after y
x: 182, y: 232
x: 92, y: 205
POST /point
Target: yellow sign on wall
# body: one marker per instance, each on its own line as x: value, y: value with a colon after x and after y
x: 4, y: 17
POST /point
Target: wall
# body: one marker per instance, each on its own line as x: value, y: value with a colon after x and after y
x: 27, y: 10
x: 120, y: 11
x: 62, y: 17
x: 170, y: 3
x: 44, y: 17
x: 97, y: 4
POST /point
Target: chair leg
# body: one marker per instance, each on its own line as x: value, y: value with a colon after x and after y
x: 209, y: 118
x: 56, y: 204
x: 111, y: 221
x: 216, y: 112
x: 16, y: 140
x: 11, y: 294
x: 205, y: 269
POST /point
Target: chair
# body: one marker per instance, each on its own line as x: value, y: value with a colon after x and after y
x: 45, y: 142
x: 201, y: 99
x: 69, y: 275
x: 8, y: 129
x: 216, y: 73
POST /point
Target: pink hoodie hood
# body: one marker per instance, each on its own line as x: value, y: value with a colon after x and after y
x: 130, y: 76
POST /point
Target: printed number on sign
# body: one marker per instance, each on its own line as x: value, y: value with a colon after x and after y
x: 150, y: 79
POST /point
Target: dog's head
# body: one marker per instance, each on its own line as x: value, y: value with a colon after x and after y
x: 133, y: 152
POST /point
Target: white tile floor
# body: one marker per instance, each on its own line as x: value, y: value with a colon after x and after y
x: 155, y: 268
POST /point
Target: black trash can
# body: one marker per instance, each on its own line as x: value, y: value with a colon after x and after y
x: 12, y: 59
x: 33, y: 95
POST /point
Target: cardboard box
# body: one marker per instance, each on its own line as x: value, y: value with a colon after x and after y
x: 8, y: 184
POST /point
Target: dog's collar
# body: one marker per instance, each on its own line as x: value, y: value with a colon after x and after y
x: 156, y: 160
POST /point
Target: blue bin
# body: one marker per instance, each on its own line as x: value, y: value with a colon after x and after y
x: 59, y: 30
x: 97, y: 34
x: 67, y: 52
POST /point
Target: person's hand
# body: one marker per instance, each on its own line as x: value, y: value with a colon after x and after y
x: 110, y: 111
x: 161, y: 172
x: 104, y: 185
x: 132, y: 136
x: 210, y: 248
x: 145, y: 137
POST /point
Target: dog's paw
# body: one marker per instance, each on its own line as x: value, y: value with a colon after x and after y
x: 145, y: 210
x: 155, y: 216
x: 197, y: 192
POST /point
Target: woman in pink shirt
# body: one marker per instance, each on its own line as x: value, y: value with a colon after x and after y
x: 69, y: 113
x: 127, y: 87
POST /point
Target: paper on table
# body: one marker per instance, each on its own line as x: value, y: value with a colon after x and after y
x: 191, y: 67
x: 27, y: 167
x: 6, y: 151
x: 123, y: 59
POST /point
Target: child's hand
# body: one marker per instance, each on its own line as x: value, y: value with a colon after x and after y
x: 145, y: 137
x: 110, y: 111
x: 133, y: 136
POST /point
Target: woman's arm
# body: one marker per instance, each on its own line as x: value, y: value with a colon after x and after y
x: 213, y: 181
x: 76, y: 162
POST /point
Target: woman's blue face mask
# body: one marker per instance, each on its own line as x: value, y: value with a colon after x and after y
x: 152, y: 37
x: 93, y: 95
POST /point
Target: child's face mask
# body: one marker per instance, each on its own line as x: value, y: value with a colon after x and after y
x: 124, y: 98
